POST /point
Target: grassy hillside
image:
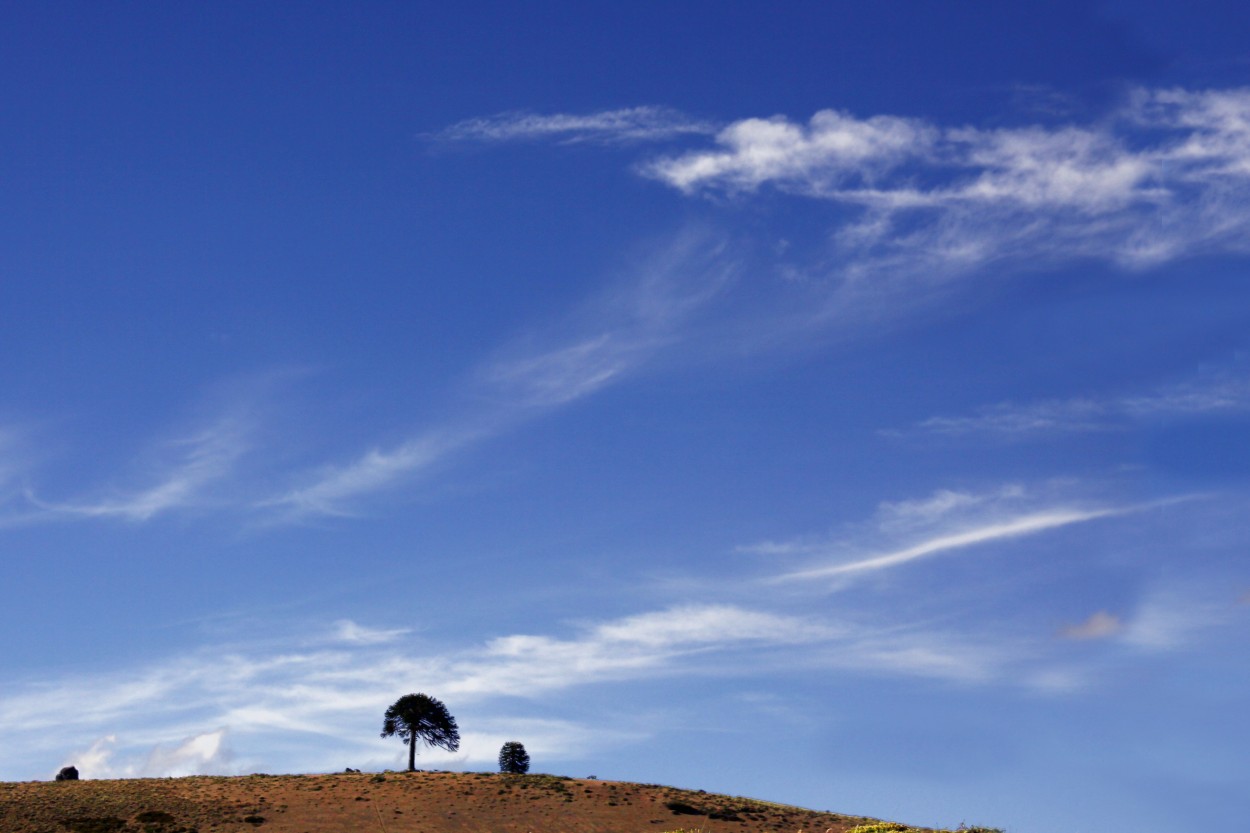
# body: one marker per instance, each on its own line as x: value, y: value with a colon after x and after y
x: 424, y: 802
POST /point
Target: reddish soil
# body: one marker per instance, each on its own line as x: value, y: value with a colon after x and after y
x: 418, y: 802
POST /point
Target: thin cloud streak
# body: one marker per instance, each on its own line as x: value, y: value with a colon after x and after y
x: 334, y: 486
x: 904, y: 515
x: 631, y: 124
x: 1223, y: 393
x: 345, y: 630
x: 201, y: 468
x: 566, y: 374
x: 616, y: 336
x: 205, y: 458
x: 1031, y: 524
x: 631, y: 648
x: 946, y: 521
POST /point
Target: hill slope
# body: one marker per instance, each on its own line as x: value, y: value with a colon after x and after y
x: 428, y: 802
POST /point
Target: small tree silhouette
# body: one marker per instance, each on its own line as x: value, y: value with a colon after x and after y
x: 513, y: 758
x: 421, y: 717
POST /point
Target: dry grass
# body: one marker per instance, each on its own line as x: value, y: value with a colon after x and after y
x: 419, y: 802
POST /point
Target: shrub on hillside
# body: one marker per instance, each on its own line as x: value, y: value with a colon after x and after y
x: 514, y: 759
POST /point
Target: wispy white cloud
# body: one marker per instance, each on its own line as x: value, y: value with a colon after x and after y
x: 1170, y: 618
x: 1013, y: 527
x: 330, y: 489
x: 567, y: 373
x: 618, y: 331
x: 206, y: 462
x: 944, y: 522
x: 96, y: 761
x: 204, y: 753
x: 921, y: 512
x: 1210, y: 128
x: 1164, y: 177
x: 1214, y: 393
x: 936, y: 639
x: 301, y: 705
x: 197, y: 462
x: 928, y: 653
x: 707, y: 624
x: 345, y: 630
x: 295, y: 706
x: 940, y: 512
x: 1099, y: 625
x: 636, y: 646
x: 605, y: 342
x: 631, y: 124
x: 176, y: 715
x: 915, y: 204
x: 821, y: 158
x: 1009, y: 420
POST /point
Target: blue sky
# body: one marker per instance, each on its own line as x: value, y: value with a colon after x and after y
x: 843, y: 404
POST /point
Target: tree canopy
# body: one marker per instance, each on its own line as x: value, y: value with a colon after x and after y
x: 420, y: 717
x: 513, y: 758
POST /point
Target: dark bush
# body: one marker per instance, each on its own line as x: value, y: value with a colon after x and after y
x: 100, y: 825
x: 154, y: 817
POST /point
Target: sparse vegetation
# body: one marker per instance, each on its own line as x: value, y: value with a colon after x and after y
x: 435, y: 802
x: 895, y: 827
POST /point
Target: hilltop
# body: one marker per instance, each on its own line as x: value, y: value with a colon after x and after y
x: 394, y: 802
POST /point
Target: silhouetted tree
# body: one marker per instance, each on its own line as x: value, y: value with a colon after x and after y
x: 513, y: 758
x: 421, y: 717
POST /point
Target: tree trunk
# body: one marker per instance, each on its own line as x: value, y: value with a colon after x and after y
x: 412, y: 752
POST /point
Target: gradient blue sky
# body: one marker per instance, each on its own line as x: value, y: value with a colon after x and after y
x: 844, y: 404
